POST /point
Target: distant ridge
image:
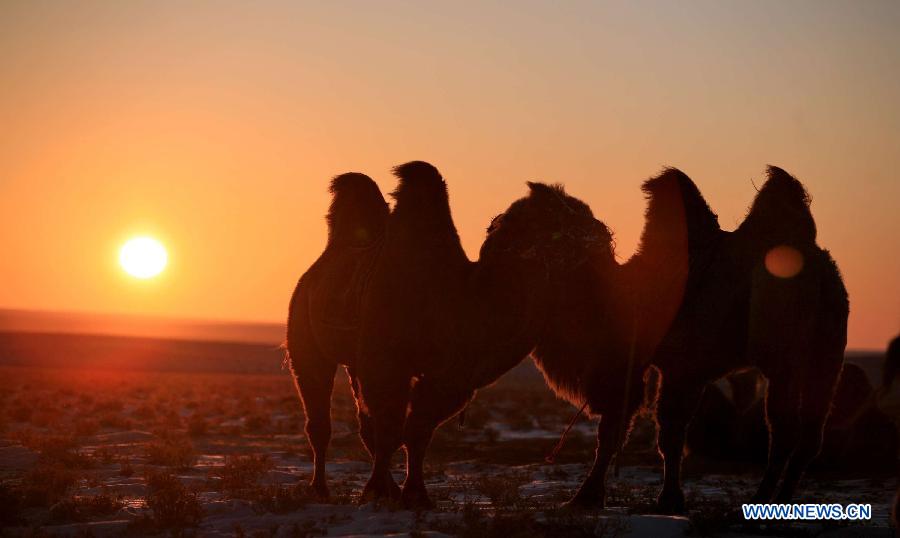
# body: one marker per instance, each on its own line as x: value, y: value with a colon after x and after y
x: 36, y: 321
x: 136, y: 353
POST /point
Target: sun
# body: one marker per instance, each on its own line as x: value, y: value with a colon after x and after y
x: 143, y: 257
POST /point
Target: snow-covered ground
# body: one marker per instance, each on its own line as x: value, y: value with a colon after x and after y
x: 110, y: 454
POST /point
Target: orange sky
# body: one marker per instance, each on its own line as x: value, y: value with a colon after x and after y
x: 215, y: 127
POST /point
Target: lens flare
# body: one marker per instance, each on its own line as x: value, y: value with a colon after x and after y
x: 784, y: 261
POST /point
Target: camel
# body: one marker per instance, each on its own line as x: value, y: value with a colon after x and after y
x: 858, y: 434
x: 764, y: 296
x: 436, y: 327
x: 420, y: 327
x: 323, y: 318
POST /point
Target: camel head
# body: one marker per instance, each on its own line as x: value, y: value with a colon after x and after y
x: 547, y: 229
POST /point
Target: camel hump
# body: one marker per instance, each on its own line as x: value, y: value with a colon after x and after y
x: 679, y: 228
x: 419, y: 181
x: 675, y: 206
x: 780, y: 212
x: 358, y: 210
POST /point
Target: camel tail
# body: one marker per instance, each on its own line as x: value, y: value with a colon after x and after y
x: 358, y: 211
x: 780, y: 212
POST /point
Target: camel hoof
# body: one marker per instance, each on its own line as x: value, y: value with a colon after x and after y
x: 670, y: 504
x: 416, y: 499
x: 380, y: 490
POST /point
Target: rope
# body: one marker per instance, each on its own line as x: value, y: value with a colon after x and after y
x: 632, y: 350
x: 551, y: 457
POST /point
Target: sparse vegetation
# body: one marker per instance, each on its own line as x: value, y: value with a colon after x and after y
x: 171, y: 450
x: 172, y: 504
x: 282, y: 499
x: 78, y: 471
x: 83, y: 508
x: 240, y: 474
x: 44, y: 485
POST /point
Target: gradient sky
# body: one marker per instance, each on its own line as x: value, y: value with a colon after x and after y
x: 216, y: 126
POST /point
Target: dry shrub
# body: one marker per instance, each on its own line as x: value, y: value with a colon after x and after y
x: 45, y: 484
x: 83, y: 508
x: 59, y: 450
x: 241, y: 473
x: 502, y: 490
x: 282, y: 499
x: 197, y: 425
x: 172, y: 451
x: 172, y: 504
x: 475, y: 523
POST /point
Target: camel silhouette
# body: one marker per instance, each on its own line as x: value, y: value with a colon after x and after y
x: 436, y: 327
x: 732, y: 427
x: 764, y: 295
x: 431, y: 326
x: 323, y: 318
x: 610, y: 320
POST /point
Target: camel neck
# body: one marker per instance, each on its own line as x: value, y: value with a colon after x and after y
x: 506, y: 309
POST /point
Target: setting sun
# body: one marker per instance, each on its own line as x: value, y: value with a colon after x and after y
x: 143, y: 257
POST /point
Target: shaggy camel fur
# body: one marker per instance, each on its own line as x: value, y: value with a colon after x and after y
x: 435, y: 327
x: 764, y: 295
x: 323, y: 319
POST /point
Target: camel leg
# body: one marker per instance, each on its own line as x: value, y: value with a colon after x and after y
x: 677, y: 404
x: 612, y: 434
x: 314, y: 377
x: 782, y: 402
x: 592, y: 492
x: 366, y: 430
x: 430, y: 407
x: 386, y: 400
x: 814, y: 411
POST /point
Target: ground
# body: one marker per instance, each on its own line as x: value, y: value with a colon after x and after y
x: 94, y: 451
